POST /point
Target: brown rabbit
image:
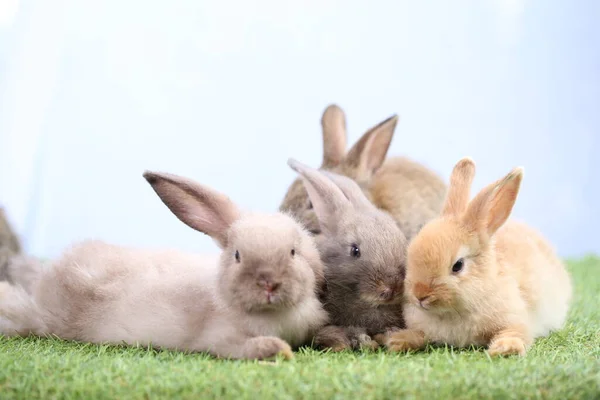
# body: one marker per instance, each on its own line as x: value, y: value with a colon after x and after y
x: 474, y: 279
x: 410, y: 192
x: 10, y: 246
x: 8, y: 238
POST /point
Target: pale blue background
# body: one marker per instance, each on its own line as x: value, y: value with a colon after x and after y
x: 92, y: 93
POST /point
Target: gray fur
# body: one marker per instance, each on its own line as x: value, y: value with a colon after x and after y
x: 355, y: 290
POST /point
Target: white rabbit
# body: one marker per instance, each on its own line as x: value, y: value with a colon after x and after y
x: 250, y: 303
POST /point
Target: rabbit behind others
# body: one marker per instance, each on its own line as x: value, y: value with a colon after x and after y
x: 475, y: 279
x: 410, y: 192
x: 251, y: 303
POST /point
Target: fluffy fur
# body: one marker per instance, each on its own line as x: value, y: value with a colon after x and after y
x: 364, y: 255
x: 409, y: 191
x: 253, y: 302
x: 473, y: 279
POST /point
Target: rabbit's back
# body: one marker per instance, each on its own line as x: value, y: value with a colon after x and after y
x: 543, y: 280
x: 410, y: 192
x: 99, y: 292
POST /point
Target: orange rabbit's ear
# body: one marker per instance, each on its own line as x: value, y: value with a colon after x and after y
x: 502, y: 203
x: 334, y: 136
x: 459, y: 190
x: 490, y: 209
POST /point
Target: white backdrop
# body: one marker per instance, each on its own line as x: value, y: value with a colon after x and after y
x: 94, y: 93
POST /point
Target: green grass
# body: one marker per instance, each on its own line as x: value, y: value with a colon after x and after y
x: 565, y: 365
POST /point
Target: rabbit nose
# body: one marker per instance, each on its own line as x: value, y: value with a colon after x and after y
x: 387, y: 294
x: 269, y: 285
x: 421, y: 299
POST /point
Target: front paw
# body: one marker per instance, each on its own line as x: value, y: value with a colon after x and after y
x: 264, y: 347
x: 507, y: 346
x: 332, y: 337
x: 364, y: 342
x: 404, y: 340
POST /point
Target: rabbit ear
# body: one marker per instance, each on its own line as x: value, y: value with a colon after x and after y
x: 197, y: 206
x: 490, y: 209
x: 459, y: 190
x: 328, y: 200
x: 334, y: 136
x: 369, y: 152
x: 351, y: 190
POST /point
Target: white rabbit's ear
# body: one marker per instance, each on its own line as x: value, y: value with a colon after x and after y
x: 368, y: 154
x: 492, y: 206
x: 351, y: 190
x: 329, y: 202
x: 197, y: 206
x: 334, y: 136
x: 459, y: 190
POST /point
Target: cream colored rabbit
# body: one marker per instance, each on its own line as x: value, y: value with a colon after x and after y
x: 409, y: 191
x: 475, y: 279
x: 250, y: 303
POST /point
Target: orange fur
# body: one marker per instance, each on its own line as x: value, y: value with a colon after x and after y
x: 511, y: 289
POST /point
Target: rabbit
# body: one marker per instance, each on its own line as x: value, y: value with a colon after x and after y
x: 363, y: 251
x: 409, y: 191
x: 474, y: 278
x: 252, y: 302
x: 14, y: 264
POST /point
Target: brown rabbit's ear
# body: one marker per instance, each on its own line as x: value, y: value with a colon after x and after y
x: 334, y: 135
x: 328, y: 200
x: 197, y: 206
x: 351, y: 190
x: 368, y: 154
x: 490, y: 209
x: 459, y: 190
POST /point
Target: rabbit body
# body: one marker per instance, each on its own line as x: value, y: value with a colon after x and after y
x: 249, y: 306
x: 474, y: 278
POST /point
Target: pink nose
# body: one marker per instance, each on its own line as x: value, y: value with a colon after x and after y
x: 269, y: 286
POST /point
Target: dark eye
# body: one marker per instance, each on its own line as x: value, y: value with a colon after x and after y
x: 237, y: 256
x: 293, y: 252
x: 458, y: 266
x: 355, y: 251
x: 310, y: 205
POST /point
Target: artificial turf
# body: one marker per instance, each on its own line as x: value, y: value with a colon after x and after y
x: 565, y: 365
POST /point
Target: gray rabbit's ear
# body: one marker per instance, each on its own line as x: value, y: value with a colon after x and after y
x: 368, y: 154
x: 334, y: 136
x: 197, y: 206
x: 351, y: 190
x: 329, y: 202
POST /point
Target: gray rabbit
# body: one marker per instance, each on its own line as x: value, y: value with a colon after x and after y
x: 363, y: 251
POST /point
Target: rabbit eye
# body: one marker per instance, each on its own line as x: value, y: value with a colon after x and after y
x: 293, y: 252
x: 458, y: 265
x: 310, y: 206
x: 237, y: 256
x: 355, y: 251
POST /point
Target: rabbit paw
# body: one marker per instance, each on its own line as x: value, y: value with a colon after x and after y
x: 507, y: 346
x: 332, y: 337
x: 404, y: 340
x: 365, y: 342
x: 264, y: 347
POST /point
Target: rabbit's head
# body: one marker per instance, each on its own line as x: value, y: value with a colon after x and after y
x: 361, y: 246
x: 269, y: 262
x: 359, y: 164
x: 451, y: 262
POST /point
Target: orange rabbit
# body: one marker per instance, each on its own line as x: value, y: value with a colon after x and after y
x: 473, y: 279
